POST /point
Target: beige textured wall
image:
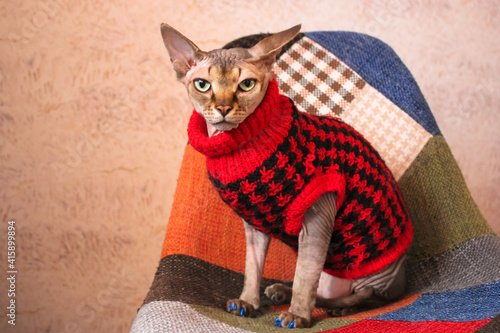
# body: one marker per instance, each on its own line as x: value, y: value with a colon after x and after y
x: 92, y: 127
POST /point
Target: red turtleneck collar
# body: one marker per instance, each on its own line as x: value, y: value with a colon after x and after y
x: 248, y: 145
x: 251, y: 127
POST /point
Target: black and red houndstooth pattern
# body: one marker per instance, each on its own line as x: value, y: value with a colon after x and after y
x: 272, y: 177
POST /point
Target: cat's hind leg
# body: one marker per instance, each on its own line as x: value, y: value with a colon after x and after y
x: 373, y: 291
x: 279, y: 293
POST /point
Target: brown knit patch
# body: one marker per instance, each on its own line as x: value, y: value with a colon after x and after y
x: 317, y: 81
x: 194, y: 281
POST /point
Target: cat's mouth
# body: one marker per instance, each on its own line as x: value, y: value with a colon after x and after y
x: 225, y: 126
x: 220, y: 127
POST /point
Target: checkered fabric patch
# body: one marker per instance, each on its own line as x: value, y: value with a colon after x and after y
x: 317, y: 81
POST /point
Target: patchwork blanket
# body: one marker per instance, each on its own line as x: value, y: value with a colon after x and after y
x: 454, y: 262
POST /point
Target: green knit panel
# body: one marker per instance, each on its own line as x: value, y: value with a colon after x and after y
x: 262, y: 323
x: 441, y: 207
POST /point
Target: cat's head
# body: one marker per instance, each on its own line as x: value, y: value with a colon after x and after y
x: 225, y: 86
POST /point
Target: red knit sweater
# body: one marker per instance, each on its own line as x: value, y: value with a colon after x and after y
x: 279, y: 161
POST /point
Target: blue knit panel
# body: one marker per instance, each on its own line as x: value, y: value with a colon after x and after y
x: 477, y: 303
x: 379, y: 65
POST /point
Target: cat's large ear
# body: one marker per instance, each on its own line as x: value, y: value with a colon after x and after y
x: 183, y: 53
x: 265, y: 51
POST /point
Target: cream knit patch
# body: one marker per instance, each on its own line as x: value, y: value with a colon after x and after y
x: 393, y: 133
x: 317, y: 81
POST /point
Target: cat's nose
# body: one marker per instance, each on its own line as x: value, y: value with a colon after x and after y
x: 223, y: 109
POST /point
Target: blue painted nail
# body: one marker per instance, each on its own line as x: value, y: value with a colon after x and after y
x: 241, y: 312
x: 291, y: 324
x: 236, y: 306
x: 231, y: 306
x: 281, y: 322
x: 277, y: 321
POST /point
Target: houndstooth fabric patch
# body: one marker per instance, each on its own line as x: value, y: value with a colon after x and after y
x: 393, y: 133
x: 317, y: 81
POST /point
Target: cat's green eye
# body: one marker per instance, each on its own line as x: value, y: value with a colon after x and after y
x: 247, y: 85
x: 202, y: 85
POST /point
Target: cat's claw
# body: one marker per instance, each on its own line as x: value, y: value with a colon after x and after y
x: 289, y: 320
x: 279, y: 323
x: 240, y: 308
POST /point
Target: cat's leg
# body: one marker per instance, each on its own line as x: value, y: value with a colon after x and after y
x: 365, y: 293
x: 388, y: 284
x: 314, y: 240
x: 257, y: 244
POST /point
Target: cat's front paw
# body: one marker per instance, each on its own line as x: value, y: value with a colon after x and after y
x: 240, y: 308
x: 289, y: 320
x: 279, y: 293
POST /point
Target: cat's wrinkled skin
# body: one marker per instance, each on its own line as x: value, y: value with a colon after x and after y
x: 225, y: 87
